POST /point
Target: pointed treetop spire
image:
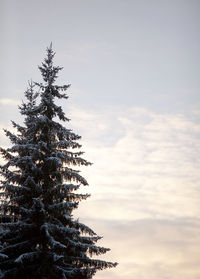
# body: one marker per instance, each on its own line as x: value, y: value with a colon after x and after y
x: 48, y: 71
x: 39, y: 237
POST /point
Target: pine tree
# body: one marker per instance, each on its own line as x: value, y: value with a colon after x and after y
x: 40, y: 237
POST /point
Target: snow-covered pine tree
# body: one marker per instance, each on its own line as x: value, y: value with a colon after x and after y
x: 39, y: 236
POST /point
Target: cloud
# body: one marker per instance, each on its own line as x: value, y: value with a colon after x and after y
x: 151, y: 249
x: 151, y: 169
x: 144, y: 185
x: 145, y: 195
x: 9, y: 102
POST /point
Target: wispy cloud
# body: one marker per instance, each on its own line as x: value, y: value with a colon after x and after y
x: 9, y: 102
x: 144, y: 185
x: 152, y: 249
x: 145, y: 195
x: 152, y: 167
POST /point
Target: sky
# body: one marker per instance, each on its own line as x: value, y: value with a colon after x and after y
x: 133, y: 66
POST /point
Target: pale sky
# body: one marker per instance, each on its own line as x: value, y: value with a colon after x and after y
x: 135, y: 100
